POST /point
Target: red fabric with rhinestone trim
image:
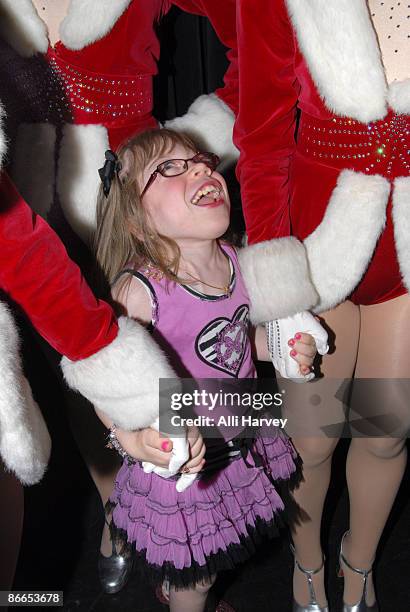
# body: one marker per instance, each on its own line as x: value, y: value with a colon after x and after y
x: 377, y: 148
x: 325, y: 147
x: 287, y: 180
x: 96, y: 98
x: 109, y: 82
x: 122, y: 104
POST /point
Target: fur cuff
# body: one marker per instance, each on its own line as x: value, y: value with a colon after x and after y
x: 277, y: 278
x: 90, y: 20
x: 25, y: 444
x: 401, y: 220
x: 122, y: 378
x: 399, y: 96
x: 341, y: 247
x: 340, y: 46
x: 209, y: 122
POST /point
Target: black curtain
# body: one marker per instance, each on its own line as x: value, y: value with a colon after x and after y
x: 192, y: 62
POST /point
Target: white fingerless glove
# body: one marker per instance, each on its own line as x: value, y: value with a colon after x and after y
x: 179, y: 456
x: 280, y: 331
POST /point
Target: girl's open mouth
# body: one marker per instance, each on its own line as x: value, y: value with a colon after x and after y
x: 208, y: 195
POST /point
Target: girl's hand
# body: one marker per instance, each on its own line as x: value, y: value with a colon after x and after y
x: 196, y: 452
x: 303, y: 351
x: 146, y: 445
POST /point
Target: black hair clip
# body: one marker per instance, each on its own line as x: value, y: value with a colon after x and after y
x: 111, y: 166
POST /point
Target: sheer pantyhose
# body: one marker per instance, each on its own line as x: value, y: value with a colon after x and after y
x: 371, y: 342
x: 90, y: 434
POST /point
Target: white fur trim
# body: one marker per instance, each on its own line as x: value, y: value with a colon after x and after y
x: 340, y: 46
x: 86, y: 22
x: 3, y: 139
x: 277, y: 278
x: 81, y: 154
x: 399, y: 96
x: 90, y: 20
x: 122, y: 378
x: 33, y: 165
x: 22, y: 28
x: 24, y: 440
x: 341, y: 247
x: 401, y: 220
x: 209, y: 122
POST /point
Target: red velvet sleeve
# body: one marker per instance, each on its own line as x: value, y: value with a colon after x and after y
x: 36, y: 272
x: 222, y: 15
x: 265, y: 127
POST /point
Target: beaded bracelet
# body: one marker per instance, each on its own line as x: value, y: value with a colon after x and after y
x: 273, y: 338
x: 113, y: 443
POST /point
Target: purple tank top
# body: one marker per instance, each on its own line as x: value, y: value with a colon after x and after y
x: 203, y: 336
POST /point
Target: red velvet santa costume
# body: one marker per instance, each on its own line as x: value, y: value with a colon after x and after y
x: 91, y: 91
x: 350, y: 164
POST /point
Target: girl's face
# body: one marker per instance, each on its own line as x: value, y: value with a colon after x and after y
x: 193, y: 205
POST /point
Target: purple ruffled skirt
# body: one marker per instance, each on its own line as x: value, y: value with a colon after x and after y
x: 214, y: 524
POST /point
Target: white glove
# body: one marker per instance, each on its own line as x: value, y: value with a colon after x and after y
x: 179, y: 456
x: 280, y: 331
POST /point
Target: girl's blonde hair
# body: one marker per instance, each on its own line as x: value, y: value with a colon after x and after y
x: 124, y: 232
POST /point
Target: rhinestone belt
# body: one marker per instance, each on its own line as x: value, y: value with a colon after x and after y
x: 380, y: 147
x: 95, y: 98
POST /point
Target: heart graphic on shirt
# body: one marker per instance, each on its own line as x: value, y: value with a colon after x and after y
x: 221, y: 344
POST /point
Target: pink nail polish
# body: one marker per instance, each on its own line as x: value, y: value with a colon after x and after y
x: 164, y: 445
x: 291, y: 342
x: 293, y: 352
x: 298, y: 336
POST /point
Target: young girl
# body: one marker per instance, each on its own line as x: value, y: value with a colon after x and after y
x: 158, y: 243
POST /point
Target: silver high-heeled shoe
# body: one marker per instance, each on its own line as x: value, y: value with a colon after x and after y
x: 361, y: 606
x: 115, y: 570
x: 313, y: 605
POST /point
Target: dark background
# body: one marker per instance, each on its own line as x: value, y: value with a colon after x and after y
x: 63, y: 515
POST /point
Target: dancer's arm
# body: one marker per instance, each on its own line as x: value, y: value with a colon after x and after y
x: 265, y: 127
x: 36, y: 272
x: 210, y: 118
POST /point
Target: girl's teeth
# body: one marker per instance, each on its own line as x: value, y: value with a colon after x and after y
x: 203, y: 192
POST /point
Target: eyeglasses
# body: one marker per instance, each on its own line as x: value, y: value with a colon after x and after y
x: 175, y: 167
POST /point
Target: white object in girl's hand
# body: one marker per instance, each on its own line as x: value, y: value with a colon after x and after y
x: 179, y: 456
x: 280, y: 331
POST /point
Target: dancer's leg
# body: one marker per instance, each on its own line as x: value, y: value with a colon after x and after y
x: 375, y: 466
x: 11, y: 526
x: 103, y: 464
x: 316, y: 452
